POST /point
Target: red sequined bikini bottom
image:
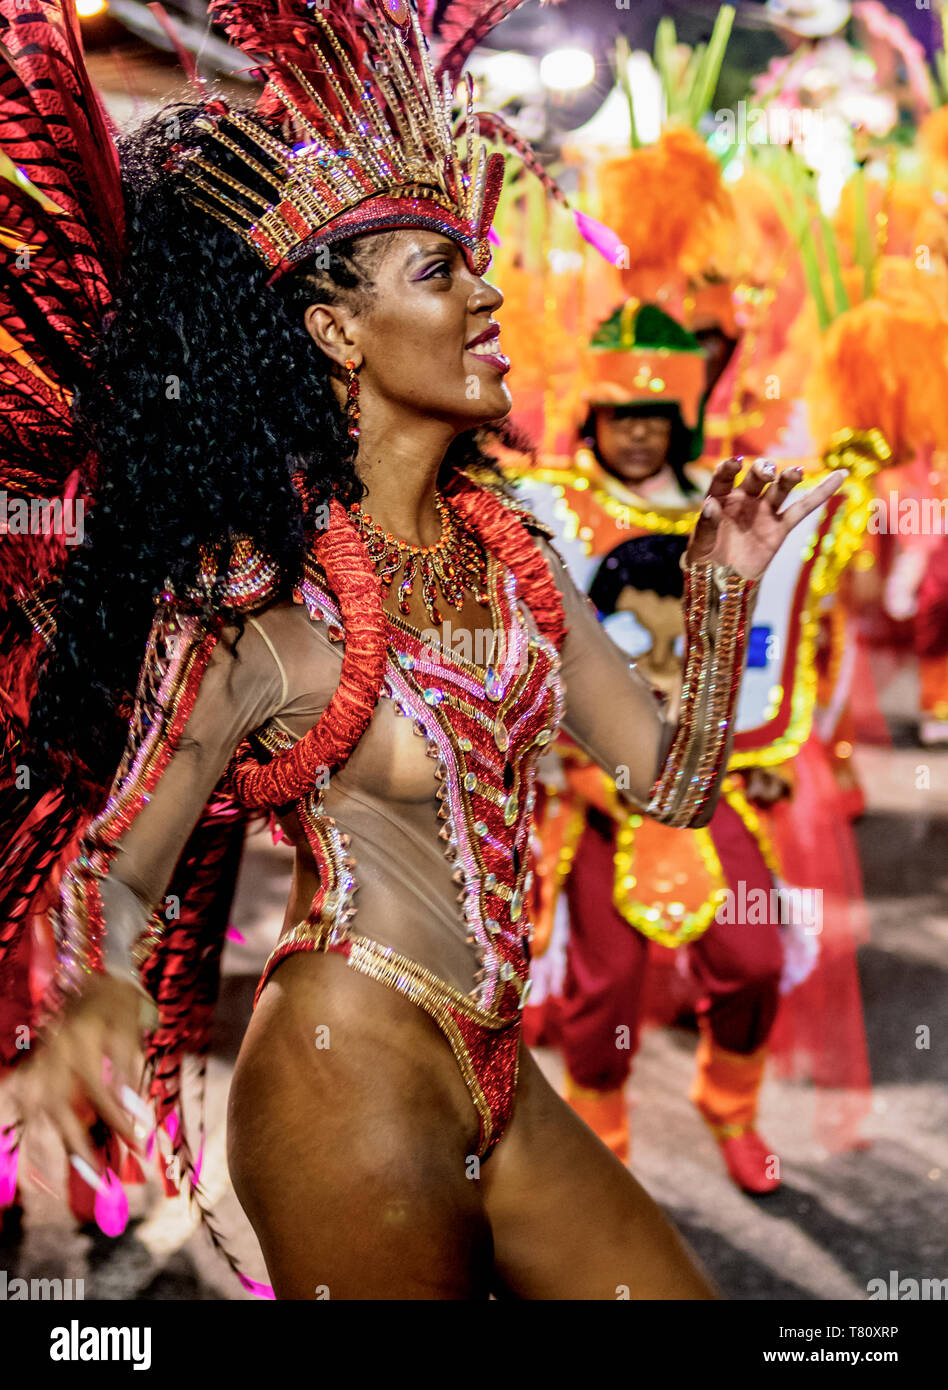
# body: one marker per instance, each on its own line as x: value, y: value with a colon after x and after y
x: 485, y: 1044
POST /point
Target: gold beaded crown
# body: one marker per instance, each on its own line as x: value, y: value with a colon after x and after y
x: 353, y: 132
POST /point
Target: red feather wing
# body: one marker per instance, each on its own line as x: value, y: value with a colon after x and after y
x: 57, y: 267
x: 462, y: 27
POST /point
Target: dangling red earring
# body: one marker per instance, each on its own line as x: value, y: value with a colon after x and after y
x: 352, y: 399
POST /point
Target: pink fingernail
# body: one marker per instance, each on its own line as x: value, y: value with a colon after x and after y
x: 111, y: 1205
x: 9, y: 1155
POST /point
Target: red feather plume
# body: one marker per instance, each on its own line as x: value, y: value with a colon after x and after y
x: 494, y: 127
x: 279, y: 34
x: 462, y: 27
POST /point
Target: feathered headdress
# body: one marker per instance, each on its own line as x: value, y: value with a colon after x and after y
x: 362, y: 134
x: 61, y: 231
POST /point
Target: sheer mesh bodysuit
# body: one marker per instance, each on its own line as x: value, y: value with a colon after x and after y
x: 421, y: 870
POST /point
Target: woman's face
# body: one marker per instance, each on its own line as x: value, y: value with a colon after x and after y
x: 424, y: 338
x: 632, y: 447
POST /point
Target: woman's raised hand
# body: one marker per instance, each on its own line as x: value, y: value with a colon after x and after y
x: 744, y: 526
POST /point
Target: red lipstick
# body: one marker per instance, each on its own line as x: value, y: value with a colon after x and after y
x: 491, y: 331
x: 497, y: 360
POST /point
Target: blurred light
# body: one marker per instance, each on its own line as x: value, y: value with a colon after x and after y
x: 87, y: 9
x: 610, y: 125
x: 563, y: 261
x: 567, y: 69
x: 506, y: 75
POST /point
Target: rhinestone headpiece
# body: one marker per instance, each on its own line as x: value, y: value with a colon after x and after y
x: 358, y: 135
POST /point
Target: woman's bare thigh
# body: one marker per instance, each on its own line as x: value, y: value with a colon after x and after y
x: 569, y: 1221
x: 349, y: 1135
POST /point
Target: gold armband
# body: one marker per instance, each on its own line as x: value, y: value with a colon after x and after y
x: 717, y: 601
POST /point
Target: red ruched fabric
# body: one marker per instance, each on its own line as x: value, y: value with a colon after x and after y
x: 329, y: 742
x: 352, y: 578
x: 501, y: 530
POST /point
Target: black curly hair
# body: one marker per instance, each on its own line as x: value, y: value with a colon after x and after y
x: 648, y: 563
x: 208, y: 395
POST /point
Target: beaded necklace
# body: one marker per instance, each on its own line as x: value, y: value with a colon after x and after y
x: 456, y: 564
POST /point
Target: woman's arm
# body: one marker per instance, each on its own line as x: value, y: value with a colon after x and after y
x: 112, y: 896
x: 213, y: 696
x: 673, y: 772
x: 616, y: 718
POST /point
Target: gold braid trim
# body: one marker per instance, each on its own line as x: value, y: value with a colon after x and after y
x: 424, y: 989
x: 717, y: 603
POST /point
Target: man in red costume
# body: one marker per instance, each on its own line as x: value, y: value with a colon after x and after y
x: 621, y: 507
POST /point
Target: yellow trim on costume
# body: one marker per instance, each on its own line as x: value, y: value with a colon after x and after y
x: 715, y: 428
x: 573, y: 1090
x: 862, y: 453
x: 646, y: 917
x: 733, y: 794
x: 717, y: 1053
x: 564, y: 860
x: 729, y: 1131
x: 585, y: 476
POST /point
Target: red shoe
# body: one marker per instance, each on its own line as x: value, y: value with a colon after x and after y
x: 749, y: 1162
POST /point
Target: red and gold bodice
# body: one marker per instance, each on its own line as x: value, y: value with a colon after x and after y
x: 485, y: 723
